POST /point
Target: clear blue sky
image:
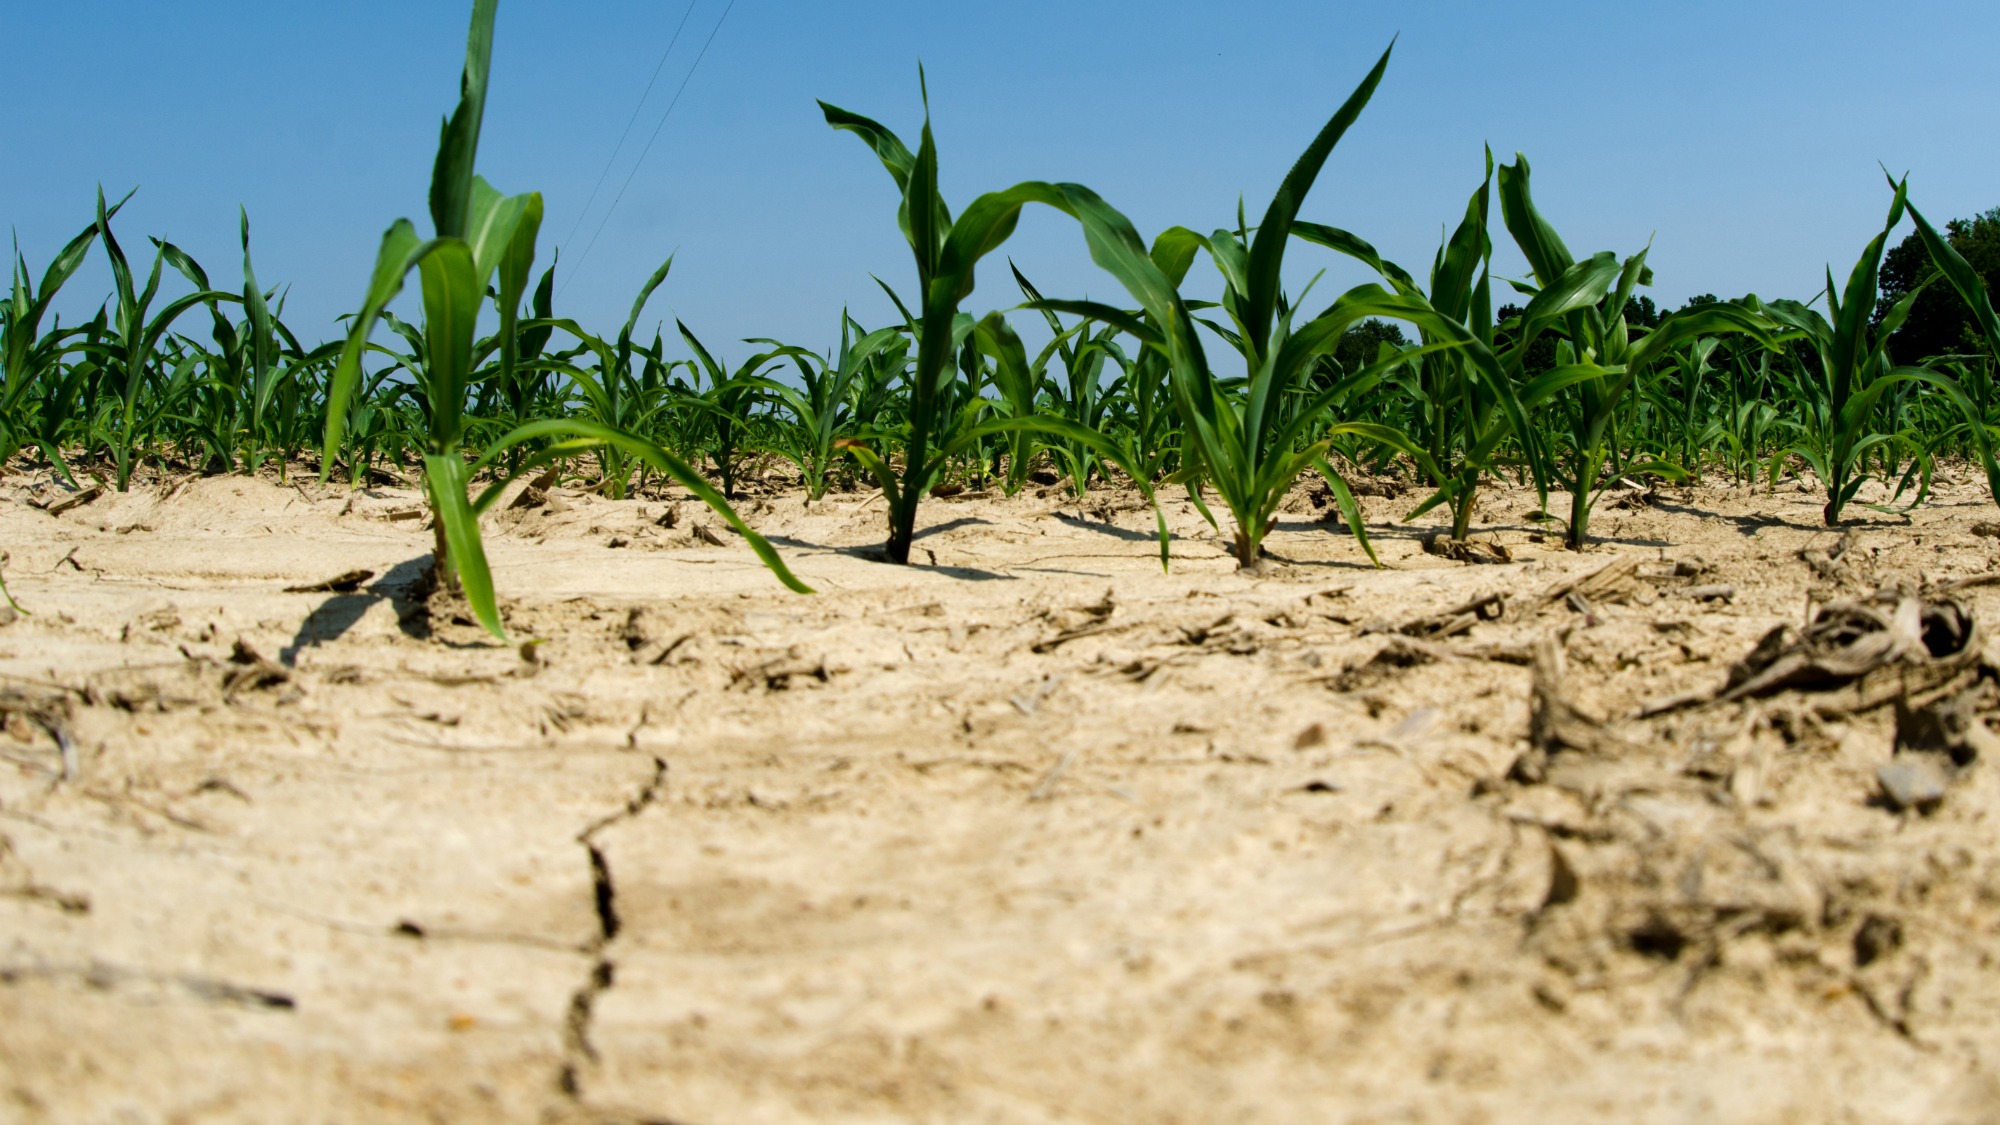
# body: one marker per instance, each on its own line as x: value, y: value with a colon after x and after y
x: 1742, y: 138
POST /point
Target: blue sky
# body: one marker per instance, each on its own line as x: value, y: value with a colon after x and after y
x: 1742, y: 139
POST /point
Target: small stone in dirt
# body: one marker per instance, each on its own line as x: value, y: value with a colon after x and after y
x: 1712, y: 593
x: 1914, y: 781
x: 1986, y: 529
x: 619, y: 541
x: 1314, y: 735
x: 1877, y: 938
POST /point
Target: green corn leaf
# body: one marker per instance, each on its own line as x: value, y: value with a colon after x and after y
x: 1173, y: 253
x: 654, y: 455
x: 445, y: 478
x: 1356, y: 247
x: 401, y: 251
x: 453, y: 293
x: 1543, y: 248
x: 889, y: 148
x: 1970, y: 286
x: 1267, y: 251
x: 1350, y: 509
x: 646, y: 294
x: 494, y: 230
x: 458, y: 139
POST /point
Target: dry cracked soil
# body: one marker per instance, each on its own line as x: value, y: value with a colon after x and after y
x: 1028, y: 832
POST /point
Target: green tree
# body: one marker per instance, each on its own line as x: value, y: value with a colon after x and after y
x: 1362, y: 344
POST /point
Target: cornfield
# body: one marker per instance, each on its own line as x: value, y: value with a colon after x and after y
x: 1569, y: 387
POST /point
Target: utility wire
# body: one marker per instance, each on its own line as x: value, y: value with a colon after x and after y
x: 634, y: 120
x: 615, y: 200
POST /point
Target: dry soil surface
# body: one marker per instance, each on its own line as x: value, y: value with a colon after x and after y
x: 1028, y: 832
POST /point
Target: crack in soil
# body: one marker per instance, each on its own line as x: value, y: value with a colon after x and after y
x: 104, y: 977
x: 578, y: 1048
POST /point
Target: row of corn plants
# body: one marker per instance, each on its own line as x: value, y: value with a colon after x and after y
x: 1573, y: 385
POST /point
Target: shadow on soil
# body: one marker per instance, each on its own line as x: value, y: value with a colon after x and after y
x: 337, y: 614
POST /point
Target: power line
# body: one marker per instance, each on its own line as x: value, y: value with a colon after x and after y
x: 615, y: 200
x: 634, y: 120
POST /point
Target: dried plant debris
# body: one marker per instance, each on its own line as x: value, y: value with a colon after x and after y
x: 24, y: 710
x: 1839, y: 563
x: 536, y: 493
x: 1950, y: 726
x: 1384, y: 664
x: 1452, y: 622
x: 1474, y: 551
x: 1935, y: 744
x: 1615, y: 583
x: 1078, y: 622
x: 250, y: 671
x: 340, y: 584
x: 64, y: 502
x: 1556, y: 723
x: 1860, y: 655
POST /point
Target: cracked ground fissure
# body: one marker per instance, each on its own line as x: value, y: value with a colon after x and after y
x: 577, y: 1047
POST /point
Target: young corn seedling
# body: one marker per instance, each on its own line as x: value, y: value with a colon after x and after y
x: 624, y: 386
x: 1971, y: 288
x: 1467, y: 399
x: 479, y: 232
x: 1080, y: 394
x: 1598, y: 361
x: 34, y: 359
x: 947, y: 251
x: 131, y: 356
x: 1249, y: 444
x: 1850, y: 372
x: 823, y: 409
x: 723, y: 409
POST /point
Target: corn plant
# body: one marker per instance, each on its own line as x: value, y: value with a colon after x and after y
x: 1598, y: 351
x: 722, y: 411
x: 478, y: 232
x: 129, y: 358
x: 1248, y: 444
x: 1080, y: 395
x: 946, y: 252
x: 828, y: 405
x: 1850, y: 372
x: 616, y: 383
x: 34, y: 358
x: 1468, y: 400
x: 1971, y: 288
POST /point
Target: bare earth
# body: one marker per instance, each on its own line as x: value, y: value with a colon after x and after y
x: 1030, y: 832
